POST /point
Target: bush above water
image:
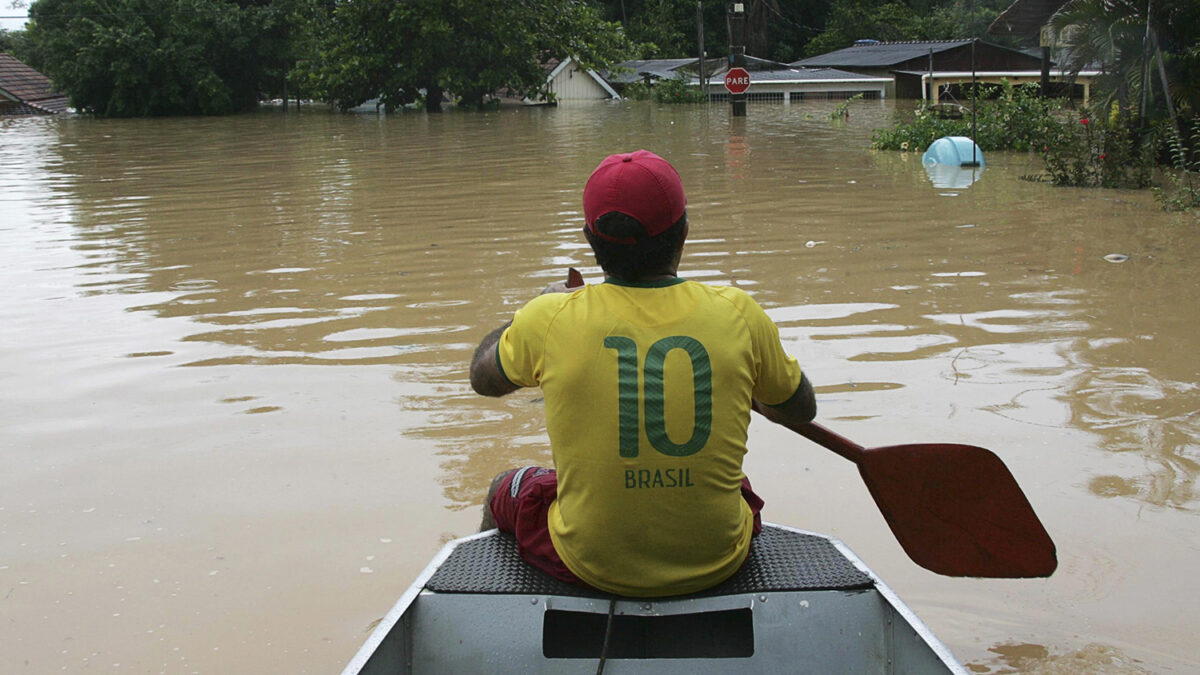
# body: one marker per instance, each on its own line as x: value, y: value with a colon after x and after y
x: 1006, y: 118
x: 674, y: 90
x: 1081, y: 147
x: 1089, y: 150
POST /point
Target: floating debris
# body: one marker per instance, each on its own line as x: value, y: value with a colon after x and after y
x: 1116, y: 257
x: 810, y: 243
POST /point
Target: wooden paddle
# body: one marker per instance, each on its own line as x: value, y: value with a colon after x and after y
x: 955, y: 509
x: 574, y: 278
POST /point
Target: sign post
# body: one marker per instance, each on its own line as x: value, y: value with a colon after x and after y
x: 737, y: 80
x: 737, y: 60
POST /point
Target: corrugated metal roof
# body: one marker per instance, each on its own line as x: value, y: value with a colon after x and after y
x: 880, y: 55
x: 761, y: 70
x: 20, y: 83
x: 797, y: 75
x: 634, y: 71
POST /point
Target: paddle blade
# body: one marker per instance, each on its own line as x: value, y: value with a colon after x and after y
x: 574, y: 278
x: 958, y: 511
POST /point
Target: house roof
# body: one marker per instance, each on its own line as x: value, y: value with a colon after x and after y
x: 786, y: 75
x: 665, y: 69
x: 881, y: 54
x: 634, y: 71
x: 24, y: 88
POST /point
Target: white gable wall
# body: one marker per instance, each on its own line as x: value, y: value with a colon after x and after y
x: 573, y: 83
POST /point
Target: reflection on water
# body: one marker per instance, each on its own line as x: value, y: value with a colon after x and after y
x: 1139, y: 413
x: 950, y: 176
x: 233, y: 362
x: 1031, y: 659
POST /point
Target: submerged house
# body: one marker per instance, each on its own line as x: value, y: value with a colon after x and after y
x: 769, y: 80
x: 567, y: 81
x: 925, y: 69
x: 25, y: 91
x: 789, y: 84
x: 650, y: 71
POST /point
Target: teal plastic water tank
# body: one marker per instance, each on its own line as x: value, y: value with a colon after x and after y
x: 953, y: 150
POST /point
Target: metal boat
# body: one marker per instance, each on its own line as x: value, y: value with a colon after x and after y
x: 801, y: 603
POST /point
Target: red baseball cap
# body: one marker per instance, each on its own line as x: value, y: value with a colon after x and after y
x: 639, y: 184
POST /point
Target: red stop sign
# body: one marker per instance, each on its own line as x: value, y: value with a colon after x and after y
x: 737, y: 80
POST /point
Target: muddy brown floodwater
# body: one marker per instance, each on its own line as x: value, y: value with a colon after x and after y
x: 235, y: 422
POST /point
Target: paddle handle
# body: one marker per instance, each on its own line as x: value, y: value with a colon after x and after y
x: 833, y: 441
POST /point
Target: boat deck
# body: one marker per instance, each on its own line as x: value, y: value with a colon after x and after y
x: 801, y: 603
x: 779, y: 560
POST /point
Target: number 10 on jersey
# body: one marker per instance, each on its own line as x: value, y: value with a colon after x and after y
x: 630, y: 406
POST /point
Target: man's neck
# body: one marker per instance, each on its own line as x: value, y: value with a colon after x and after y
x: 656, y: 277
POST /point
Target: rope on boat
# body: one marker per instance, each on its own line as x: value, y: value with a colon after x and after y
x: 612, y: 608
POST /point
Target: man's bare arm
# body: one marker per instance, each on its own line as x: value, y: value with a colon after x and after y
x: 799, y: 409
x: 486, y: 377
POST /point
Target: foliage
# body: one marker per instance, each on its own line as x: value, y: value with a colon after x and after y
x: 1183, y: 177
x: 674, y: 90
x: 1006, y: 118
x: 1080, y: 148
x: 1131, y: 39
x: 120, y: 58
x: 667, y: 28
x: 897, y: 20
x: 405, y: 52
x: 658, y: 28
x: 198, y: 56
x: 1150, y: 76
x: 785, y: 31
x: 1090, y: 150
x: 842, y: 110
x: 14, y: 42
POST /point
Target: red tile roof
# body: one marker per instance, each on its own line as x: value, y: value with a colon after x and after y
x: 24, y: 90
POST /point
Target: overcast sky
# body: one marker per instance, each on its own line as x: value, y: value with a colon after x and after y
x: 6, y: 10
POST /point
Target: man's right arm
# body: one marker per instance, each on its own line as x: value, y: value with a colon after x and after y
x: 798, y: 410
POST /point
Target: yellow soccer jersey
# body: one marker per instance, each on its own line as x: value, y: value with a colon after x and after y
x: 648, y: 390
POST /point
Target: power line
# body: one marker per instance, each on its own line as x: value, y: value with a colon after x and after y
x: 801, y: 26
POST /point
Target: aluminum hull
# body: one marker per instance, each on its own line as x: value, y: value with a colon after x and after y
x: 814, y: 609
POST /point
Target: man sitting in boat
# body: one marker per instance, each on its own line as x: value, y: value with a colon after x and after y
x: 649, y: 381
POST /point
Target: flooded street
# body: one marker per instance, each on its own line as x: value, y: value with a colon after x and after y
x: 235, y: 421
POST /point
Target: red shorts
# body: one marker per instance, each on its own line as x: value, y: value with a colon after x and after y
x: 521, y: 504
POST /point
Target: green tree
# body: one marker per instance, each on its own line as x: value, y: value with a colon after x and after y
x: 897, y: 20
x: 400, y: 52
x: 14, y: 42
x: 122, y: 58
x: 1146, y: 48
x: 667, y: 28
x: 864, y: 20
x: 291, y: 37
x: 659, y: 28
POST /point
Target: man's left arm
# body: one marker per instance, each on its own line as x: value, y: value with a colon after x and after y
x: 487, y: 379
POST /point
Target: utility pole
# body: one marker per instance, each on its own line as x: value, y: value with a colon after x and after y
x: 700, y: 37
x: 737, y: 51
